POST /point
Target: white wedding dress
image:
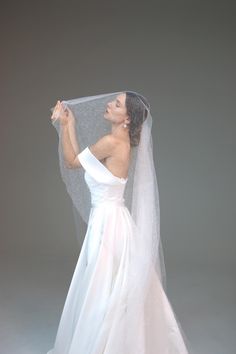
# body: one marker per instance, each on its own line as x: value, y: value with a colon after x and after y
x: 93, y: 320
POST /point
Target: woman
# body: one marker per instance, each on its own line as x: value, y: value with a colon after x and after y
x: 116, y: 303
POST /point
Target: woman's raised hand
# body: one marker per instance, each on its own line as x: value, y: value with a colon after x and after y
x: 61, y: 113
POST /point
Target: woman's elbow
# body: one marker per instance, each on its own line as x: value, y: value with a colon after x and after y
x: 73, y: 164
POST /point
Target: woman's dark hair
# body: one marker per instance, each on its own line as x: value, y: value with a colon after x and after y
x: 137, y: 112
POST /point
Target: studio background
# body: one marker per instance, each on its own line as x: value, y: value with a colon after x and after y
x: 180, y: 55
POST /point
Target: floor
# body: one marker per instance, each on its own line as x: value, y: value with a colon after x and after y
x: 33, y: 291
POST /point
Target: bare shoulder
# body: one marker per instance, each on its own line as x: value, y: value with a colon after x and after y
x: 122, y: 150
x: 118, y: 161
x: 104, y: 147
x: 108, y: 148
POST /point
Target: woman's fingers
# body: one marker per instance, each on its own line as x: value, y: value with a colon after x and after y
x: 56, y: 111
x: 60, y: 111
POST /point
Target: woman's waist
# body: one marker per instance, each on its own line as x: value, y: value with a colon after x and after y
x: 108, y: 201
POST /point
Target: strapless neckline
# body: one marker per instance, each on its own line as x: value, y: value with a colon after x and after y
x: 106, y: 169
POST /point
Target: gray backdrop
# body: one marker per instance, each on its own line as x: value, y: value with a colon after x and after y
x: 181, y: 56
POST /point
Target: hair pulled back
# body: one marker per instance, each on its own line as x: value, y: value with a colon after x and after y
x: 137, y: 109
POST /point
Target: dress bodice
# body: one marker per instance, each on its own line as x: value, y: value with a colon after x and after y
x: 103, y: 185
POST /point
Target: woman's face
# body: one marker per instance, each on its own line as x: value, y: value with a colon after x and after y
x: 116, y: 110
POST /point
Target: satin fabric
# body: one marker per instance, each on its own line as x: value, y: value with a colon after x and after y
x: 94, y: 318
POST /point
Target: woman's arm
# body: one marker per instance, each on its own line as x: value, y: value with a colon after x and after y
x: 101, y: 149
x: 70, y: 156
x: 70, y: 147
x: 72, y: 135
